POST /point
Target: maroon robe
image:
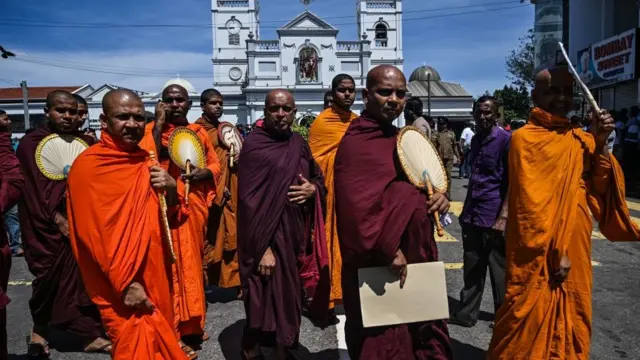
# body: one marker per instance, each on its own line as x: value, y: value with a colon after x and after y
x: 59, y: 297
x: 11, y: 187
x: 379, y: 212
x: 268, y: 165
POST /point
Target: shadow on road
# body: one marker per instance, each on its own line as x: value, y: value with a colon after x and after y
x: 466, y: 351
x: 484, y: 316
x: 214, y: 294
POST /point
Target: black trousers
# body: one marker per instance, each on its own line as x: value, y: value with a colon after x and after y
x: 483, y: 247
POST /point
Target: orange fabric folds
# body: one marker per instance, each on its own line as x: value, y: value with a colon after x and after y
x: 188, y: 230
x: 324, y: 137
x: 221, y: 256
x: 559, y: 180
x: 115, y: 232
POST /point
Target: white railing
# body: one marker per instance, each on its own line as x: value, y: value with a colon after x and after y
x: 268, y: 45
x: 381, y: 43
x: 233, y: 3
x: 381, y: 4
x: 348, y: 46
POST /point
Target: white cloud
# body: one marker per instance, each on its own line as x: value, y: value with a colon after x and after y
x: 119, y: 68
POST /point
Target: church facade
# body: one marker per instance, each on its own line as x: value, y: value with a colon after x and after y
x: 304, y: 58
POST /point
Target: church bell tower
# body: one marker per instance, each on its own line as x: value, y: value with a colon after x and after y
x: 234, y: 22
x: 381, y: 21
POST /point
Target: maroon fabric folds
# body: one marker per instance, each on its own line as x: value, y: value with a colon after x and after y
x: 11, y: 187
x: 59, y: 297
x: 268, y: 165
x: 379, y: 212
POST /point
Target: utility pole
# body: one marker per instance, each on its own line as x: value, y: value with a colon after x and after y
x: 25, y: 104
x: 429, y: 93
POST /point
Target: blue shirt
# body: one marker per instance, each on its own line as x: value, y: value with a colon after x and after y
x: 488, y: 183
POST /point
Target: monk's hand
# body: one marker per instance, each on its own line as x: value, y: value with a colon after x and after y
x: 267, y: 263
x: 563, y: 270
x: 160, y: 179
x: 438, y: 202
x: 161, y: 114
x: 299, y: 194
x: 62, y: 223
x: 399, y: 267
x: 135, y: 297
x: 198, y: 174
x: 602, y: 125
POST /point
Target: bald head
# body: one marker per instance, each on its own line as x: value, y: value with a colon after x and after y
x: 118, y: 97
x: 553, y: 90
x: 177, y: 103
x: 279, y: 110
x: 62, y: 111
x: 175, y: 88
x: 56, y: 95
x: 386, y: 93
x: 123, y: 118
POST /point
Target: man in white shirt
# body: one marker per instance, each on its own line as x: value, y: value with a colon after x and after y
x: 465, y: 145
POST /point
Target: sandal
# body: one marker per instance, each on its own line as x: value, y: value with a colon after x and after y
x: 36, y: 350
x: 191, y: 354
x: 205, y: 336
x: 103, y: 349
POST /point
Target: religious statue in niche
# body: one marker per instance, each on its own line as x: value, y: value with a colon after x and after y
x: 308, y: 64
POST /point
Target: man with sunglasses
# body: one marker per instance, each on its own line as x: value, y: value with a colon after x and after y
x: 59, y: 297
x: 483, y: 216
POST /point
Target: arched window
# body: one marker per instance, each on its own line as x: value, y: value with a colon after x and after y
x: 381, y: 35
x: 234, y: 39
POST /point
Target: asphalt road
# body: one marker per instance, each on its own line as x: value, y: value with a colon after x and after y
x: 616, y: 322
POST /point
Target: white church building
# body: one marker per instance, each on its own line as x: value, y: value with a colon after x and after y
x: 304, y: 58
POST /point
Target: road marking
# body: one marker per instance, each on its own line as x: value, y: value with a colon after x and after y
x: 20, y: 283
x: 446, y: 238
x: 342, y: 342
x: 633, y: 205
x: 455, y: 207
x: 458, y: 266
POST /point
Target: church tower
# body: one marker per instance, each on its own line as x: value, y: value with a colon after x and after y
x: 381, y: 21
x: 234, y: 22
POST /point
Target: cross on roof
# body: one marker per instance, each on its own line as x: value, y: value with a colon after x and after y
x: 306, y: 4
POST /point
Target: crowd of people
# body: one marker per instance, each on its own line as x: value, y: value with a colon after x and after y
x: 123, y: 248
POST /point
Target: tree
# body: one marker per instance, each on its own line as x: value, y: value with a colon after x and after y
x: 515, y: 101
x: 520, y: 62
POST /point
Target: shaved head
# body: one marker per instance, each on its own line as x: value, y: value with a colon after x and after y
x: 175, y: 87
x: 279, y: 110
x: 123, y: 118
x: 385, y: 94
x: 553, y: 90
x: 62, y: 111
x: 176, y: 98
x: 119, y: 96
x: 59, y: 94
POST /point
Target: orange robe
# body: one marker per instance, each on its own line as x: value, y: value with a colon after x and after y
x: 188, y: 231
x: 325, y: 135
x: 559, y: 179
x: 220, y: 251
x: 116, y: 237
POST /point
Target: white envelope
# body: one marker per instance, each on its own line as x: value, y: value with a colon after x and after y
x: 423, y: 298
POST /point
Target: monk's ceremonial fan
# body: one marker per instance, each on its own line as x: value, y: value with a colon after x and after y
x: 231, y: 139
x: 185, y: 149
x: 56, y: 153
x: 422, y: 164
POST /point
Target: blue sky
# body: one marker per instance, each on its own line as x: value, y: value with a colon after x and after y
x: 469, y: 49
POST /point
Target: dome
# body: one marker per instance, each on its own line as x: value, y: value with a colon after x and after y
x: 420, y: 74
x: 182, y: 82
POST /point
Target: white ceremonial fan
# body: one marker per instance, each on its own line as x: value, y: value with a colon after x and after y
x: 422, y: 164
x: 56, y: 153
x: 230, y: 137
x: 185, y: 148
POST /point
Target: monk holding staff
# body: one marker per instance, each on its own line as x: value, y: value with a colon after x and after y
x: 562, y: 176
x: 278, y: 190
x: 383, y: 220
x: 221, y: 255
x: 189, y: 229
x: 125, y: 263
x: 324, y: 137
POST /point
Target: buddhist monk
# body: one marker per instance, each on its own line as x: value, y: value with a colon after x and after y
x: 383, y: 220
x: 11, y: 188
x: 279, y: 187
x: 125, y: 264
x: 562, y: 174
x: 221, y: 256
x: 83, y: 111
x: 324, y: 137
x: 59, y: 297
x: 189, y: 228
x: 328, y: 99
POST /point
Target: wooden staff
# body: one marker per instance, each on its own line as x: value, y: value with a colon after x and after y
x: 435, y: 214
x: 232, y: 152
x: 585, y: 89
x: 187, y: 182
x: 165, y: 218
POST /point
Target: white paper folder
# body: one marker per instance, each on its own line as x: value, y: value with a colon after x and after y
x: 423, y: 298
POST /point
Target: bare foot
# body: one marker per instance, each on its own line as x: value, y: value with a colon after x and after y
x: 191, y: 354
x: 99, y: 345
